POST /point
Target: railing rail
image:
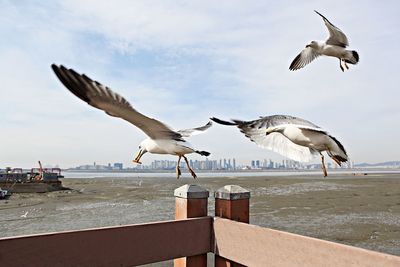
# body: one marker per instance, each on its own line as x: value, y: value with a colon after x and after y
x: 127, y: 245
x: 252, y: 245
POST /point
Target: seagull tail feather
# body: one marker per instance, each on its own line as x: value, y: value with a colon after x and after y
x: 203, y: 153
x: 352, y: 57
x: 340, y: 154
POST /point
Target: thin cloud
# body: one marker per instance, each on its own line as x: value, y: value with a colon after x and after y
x: 183, y: 62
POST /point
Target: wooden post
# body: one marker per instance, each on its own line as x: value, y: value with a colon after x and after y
x: 231, y: 202
x: 190, y: 202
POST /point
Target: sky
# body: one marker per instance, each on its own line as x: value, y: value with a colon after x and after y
x: 185, y: 61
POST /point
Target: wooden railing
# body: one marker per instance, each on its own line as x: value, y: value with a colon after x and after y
x: 252, y: 245
x: 188, y: 239
x: 128, y: 245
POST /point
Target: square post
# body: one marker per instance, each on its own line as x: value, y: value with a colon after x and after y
x: 190, y: 202
x: 231, y: 202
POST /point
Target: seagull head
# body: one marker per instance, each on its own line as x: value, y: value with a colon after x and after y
x: 312, y: 44
x: 142, y: 151
x: 276, y: 129
x: 269, y: 130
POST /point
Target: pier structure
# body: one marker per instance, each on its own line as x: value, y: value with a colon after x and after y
x: 187, y: 240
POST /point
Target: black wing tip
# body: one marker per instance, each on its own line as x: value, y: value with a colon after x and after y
x: 294, y: 65
x: 54, y: 66
x: 203, y: 153
x: 71, y: 80
x: 339, y: 158
x: 339, y: 144
x: 204, y: 127
x: 219, y: 121
x: 320, y: 14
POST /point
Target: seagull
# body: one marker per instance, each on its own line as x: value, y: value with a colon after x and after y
x: 161, y: 138
x: 25, y: 214
x: 291, y: 137
x: 334, y: 46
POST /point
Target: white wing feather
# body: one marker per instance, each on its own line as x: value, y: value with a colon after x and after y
x: 195, y: 131
x: 305, y: 57
x: 256, y: 131
x: 282, y: 145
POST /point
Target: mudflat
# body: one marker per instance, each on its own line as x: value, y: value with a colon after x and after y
x: 362, y: 211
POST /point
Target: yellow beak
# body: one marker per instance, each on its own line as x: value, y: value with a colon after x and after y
x: 139, y: 155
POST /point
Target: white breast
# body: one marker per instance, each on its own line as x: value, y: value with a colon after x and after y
x: 333, y: 51
x: 168, y: 147
x: 296, y: 135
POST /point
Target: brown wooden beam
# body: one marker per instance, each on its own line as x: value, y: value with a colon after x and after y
x: 252, y: 245
x: 128, y: 245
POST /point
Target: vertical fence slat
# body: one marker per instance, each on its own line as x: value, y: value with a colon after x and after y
x: 190, y: 202
x: 231, y: 202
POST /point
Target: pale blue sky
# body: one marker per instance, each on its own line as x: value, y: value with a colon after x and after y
x: 184, y: 61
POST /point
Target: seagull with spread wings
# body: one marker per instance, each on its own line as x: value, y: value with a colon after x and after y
x: 161, y: 138
x: 334, y: 46
x: 291, y: 137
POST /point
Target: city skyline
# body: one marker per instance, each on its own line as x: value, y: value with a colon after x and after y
x: 183, y: 62
x: 229, y: 164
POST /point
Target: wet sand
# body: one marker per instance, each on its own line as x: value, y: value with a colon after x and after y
x: 362, y: 211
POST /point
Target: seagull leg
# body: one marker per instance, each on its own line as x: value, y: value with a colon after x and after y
x: 345, y: 64
x: 323, y: 165
x: 177, y: 169
x: 190, y: 169
x: 341, y: 64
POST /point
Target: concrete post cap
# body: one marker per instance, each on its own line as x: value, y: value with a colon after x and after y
x: 232, y: 192
x: 191, y: 191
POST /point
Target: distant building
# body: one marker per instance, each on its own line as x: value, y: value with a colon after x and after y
x: 118, y: 166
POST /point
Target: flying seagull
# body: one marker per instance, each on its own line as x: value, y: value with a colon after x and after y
x: 291, y: 137
x: 161, y: 138
x: 334, y: 46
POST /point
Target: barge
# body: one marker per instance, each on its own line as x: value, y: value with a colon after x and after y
x: 37, y: 180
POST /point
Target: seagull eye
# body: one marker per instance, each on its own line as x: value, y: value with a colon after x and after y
x: 140, y: 147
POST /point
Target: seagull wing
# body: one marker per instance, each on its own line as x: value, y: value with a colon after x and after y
x: 195, y: 131
x: 256, y: 131
x: 305, y: 57
x: 102, y: 97
x: 336, y: 36
x: 276, y: 120
x: 282, y: 145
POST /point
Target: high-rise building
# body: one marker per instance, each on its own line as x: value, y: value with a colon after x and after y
x: 118, y: 166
